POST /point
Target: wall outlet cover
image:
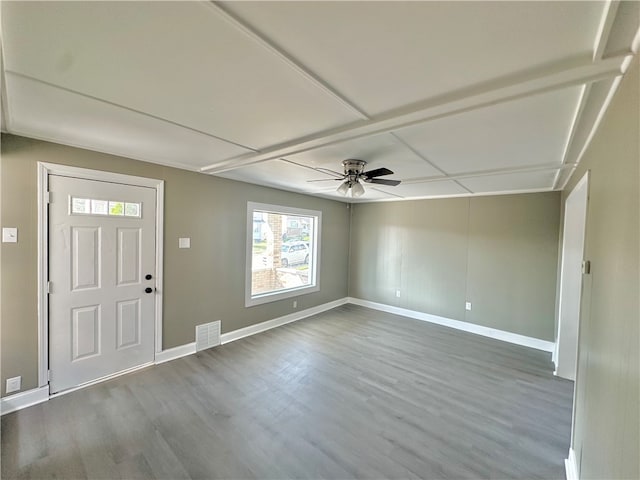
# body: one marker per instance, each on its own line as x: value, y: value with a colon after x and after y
x: 398, y: 293
x: 184, y: 242
x: 13, y: 384
x: 467, y: 305
x: 9, y: 235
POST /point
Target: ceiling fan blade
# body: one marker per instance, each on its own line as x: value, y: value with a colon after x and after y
x: 328, y: 171
x: 326, y: 180
x: 378, y: 172
x: 382, y: 181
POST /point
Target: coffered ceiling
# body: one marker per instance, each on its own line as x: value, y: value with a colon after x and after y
x: 457, y: 98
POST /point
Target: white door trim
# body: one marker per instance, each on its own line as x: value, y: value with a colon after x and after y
x: 582, y: 183
x: 46, y: 169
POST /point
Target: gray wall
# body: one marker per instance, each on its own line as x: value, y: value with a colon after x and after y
x: 202, y: 284
x: 607, y: 423
x: 499, y: 252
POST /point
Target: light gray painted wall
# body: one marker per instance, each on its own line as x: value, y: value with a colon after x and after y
x: 498, y: 252
x: 607, y: 423
x: 201, y: 284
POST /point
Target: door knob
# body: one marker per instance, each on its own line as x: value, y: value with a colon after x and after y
x: 148, y: 289
x: 148, y: 276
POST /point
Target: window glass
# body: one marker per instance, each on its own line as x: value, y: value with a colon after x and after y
x: 282, y: 252
x: 80, y: 205
x: 132, y: 209
x: 99, y: 207
x: 94, y: 206
x: 116, y: 208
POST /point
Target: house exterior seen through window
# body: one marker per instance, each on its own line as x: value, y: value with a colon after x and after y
x: 282, y: 252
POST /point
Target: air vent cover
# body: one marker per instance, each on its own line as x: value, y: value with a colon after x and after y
x: 207, y: 335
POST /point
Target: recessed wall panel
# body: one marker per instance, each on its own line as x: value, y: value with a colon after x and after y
x: 128, y: 259
x: 85, y: 258
x: 85, y: 332
x: 128, y: 323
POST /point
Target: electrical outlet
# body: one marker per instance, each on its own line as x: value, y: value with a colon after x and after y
x: 295, y: 304
x: 13, y: 384
x: 467, y: 306
x: 9, y: 235
x: 398, y: 293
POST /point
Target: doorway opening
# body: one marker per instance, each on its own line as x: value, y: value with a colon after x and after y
x: 100, y: 256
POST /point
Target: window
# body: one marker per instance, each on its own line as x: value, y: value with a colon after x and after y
x: 92, y: 206
x: 283, y: 246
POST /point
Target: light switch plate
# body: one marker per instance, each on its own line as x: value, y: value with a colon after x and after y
x: 184, y: 242
x: 9, y: 235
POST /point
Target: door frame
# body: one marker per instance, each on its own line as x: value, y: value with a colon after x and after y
x: 583, y: 183
x: 44, y: 170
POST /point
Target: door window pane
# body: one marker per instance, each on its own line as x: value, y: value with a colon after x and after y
x: 80, y: 205
x: 99, y: 207
x: 116, y: 208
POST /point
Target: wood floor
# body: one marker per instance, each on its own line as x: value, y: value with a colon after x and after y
x: 350, y: 393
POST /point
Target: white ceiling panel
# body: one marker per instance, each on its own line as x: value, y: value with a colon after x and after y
x: 427, y: 189
x: 382, y: 55
x: 371, y: 195
x: 49, y: 113
x: 280, y: 174
x: 529, y: 131
x: 378, y: 151
x: 510, y: 182
x: 176, y: 60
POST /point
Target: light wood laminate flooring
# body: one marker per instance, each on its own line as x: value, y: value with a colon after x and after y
x: 349, y: 393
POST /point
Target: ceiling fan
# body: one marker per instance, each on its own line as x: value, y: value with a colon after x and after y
x: 354, y: 174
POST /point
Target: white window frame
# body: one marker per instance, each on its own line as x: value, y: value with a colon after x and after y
x: 314, y: 264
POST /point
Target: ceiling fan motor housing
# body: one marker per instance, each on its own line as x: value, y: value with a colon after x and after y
x: 353, y: 166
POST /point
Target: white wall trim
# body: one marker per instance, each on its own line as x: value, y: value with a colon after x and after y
x: 24, y: 399
x: 159, y: 263
x: 571, y: 466
x: 43, y: 172
x: 276, y: 322
x: 459, y: 325
x: 175, y: 352
x: 101, y: 379
x: 43, y: 275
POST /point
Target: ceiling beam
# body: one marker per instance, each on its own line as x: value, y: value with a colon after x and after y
x: 488, y: 173
x: 471, y: 99
x: 609, y: 12
x: 604, y: 29
x: 591, y: 126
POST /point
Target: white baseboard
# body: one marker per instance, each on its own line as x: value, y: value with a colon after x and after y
x: 276, y: 322
x: 570, y: 466
x: 459, y: 325
x: 126, y: 371
x: 41, y: 394
x: 24, y: 399
x: 175, y: 352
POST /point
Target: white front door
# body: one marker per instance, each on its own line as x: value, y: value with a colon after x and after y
x: 102, y: 272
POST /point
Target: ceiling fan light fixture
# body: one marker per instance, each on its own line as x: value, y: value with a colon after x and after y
x: 357, y: 190
x: 343, y: 188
